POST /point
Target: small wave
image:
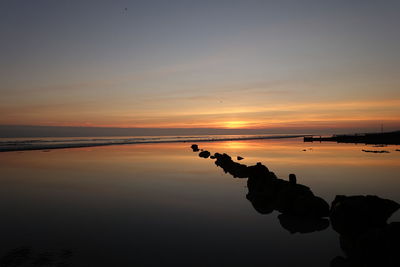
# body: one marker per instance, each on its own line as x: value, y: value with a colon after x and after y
x: 45, y: 144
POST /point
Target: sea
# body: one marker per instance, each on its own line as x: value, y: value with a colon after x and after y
x: 152, y: 201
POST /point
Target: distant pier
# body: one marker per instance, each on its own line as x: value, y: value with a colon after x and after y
x: 388, y: 138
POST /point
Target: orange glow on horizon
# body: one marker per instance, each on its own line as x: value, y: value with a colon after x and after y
x: 235, y: 124
x: 302, y: 115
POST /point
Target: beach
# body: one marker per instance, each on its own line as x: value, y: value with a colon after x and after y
x: 161, y: 204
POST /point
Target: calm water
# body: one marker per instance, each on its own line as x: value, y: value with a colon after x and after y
x: 160, y: 204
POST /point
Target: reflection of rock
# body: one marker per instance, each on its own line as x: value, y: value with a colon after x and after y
x: 365, y: 236
x: 195, y: 148
x: 25, y: 256
x: 204, y: 154
x: 297, y: 224
x: 261, y: 203
x: 16, y: 257
x: 377, y: 246
x: 353, y: 215
x: 375, y: 151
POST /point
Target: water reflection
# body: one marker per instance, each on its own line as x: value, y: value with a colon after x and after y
x: 365, y: 236
x: 27, y: 256
x: 168, y: 207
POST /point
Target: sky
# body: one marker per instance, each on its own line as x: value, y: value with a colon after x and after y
x: 287, y: 65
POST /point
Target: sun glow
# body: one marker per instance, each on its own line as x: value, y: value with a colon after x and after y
x: 235, y: 124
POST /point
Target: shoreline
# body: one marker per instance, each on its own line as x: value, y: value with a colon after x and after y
x: 81, y: 145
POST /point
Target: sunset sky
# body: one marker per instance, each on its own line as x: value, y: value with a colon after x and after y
x: 209, y: 64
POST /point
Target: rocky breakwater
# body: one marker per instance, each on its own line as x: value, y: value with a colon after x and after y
x: 366, y: 238
x: 301, y: 210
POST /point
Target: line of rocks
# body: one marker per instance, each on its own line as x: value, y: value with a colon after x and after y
x: 365, y: 236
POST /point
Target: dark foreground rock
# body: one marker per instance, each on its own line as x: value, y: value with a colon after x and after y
x: 204, y: 154
x: 268, y: 193
x: 355, y: 214
x: 195, y: 148
x: 238, y: 170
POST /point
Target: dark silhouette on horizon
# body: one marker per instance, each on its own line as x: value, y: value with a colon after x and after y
x: 388, y: 138
x: 375, y: 151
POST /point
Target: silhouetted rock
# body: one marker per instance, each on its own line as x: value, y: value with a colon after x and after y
x: 237, y: 170
x: 375, y: 151
x: 310, y: 206
x: 287, y: 197
x: 268, y: 193
x: 204, y: 154
x: 354, y: 214
x: 301, y: 224
x: 259, y: 171
x: 239, y: 158
x: 212, y: 157
x: 292, y: 178
x: 195, y: 148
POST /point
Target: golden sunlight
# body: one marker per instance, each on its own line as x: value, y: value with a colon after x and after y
x: 235, y: 124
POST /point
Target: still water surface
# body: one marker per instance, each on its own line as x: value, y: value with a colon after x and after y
x: 160, y: 204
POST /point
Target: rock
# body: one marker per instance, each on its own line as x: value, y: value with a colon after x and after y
x: 292, y: 178
x: 287, y: 197
x: 237, y: 170
x: 259, y: 171
x: 353, y: 215
x: 272, y: 175
x: 204, y: 154
x: 375, y: 151
x: 268, y: 193
x: 212, y: 157
x: 195, y: 148
x: 311, y: 206
x: 239, y: 158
